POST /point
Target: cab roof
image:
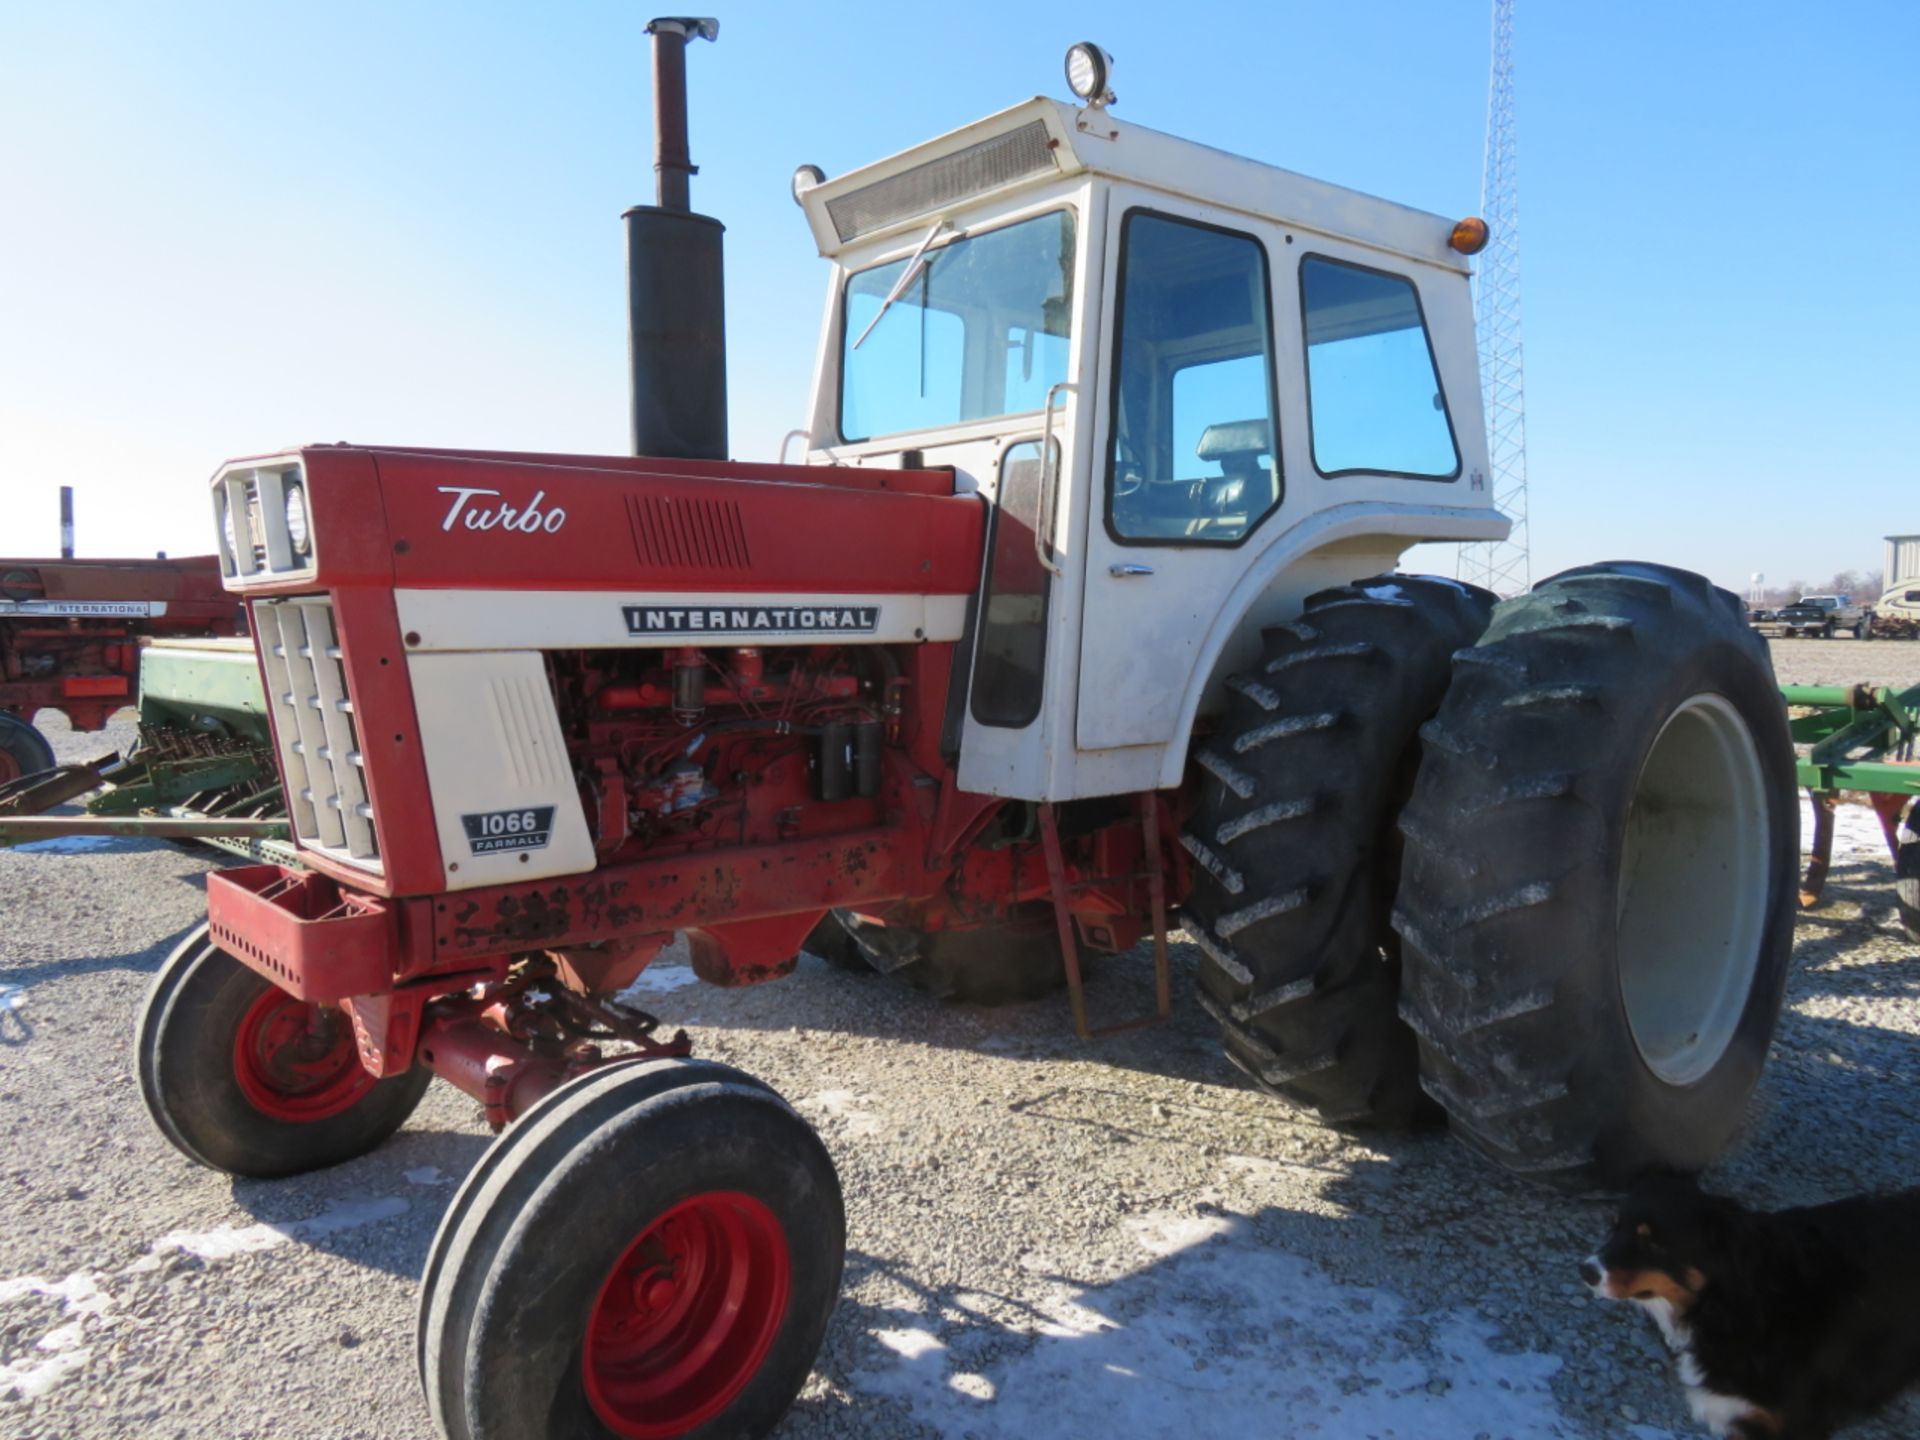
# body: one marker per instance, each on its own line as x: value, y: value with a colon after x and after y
x: 1041, y: 140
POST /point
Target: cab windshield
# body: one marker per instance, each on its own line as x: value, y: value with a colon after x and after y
x: 980, y: 329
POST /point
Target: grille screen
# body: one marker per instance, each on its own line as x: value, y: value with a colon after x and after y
x: 319, y: 743
x: 688, y: 534
x: 939, y: 183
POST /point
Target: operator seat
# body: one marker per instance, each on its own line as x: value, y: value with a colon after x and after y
x: 1237, y: 445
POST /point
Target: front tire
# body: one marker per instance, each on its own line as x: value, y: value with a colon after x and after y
x: 242, y: 1077
x: 23, y: 749
x: 1296, y: 854
x: 1598, y: 894
x: 654, y: 1252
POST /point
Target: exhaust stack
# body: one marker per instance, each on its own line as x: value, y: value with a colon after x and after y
x: 676, y: 299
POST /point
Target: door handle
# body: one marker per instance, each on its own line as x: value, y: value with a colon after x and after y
x: 1128, y: 569
x: 1043, y: 516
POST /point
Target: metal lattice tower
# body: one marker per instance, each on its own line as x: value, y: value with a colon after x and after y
x: 1504, y: 567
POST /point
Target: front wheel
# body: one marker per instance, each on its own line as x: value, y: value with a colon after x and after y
x: 652, y: 1253
x: 23, y: 749
x: 1598, y: 893
x: 242, y: 1077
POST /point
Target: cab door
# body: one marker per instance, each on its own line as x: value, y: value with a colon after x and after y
x: 1189, y: 469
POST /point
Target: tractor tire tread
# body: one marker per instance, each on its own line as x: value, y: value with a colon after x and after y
x: 1286, y: 906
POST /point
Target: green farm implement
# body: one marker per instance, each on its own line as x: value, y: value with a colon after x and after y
x: 1866, y: 740
x: 202, y: 768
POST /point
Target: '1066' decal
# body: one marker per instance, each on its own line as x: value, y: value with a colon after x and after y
x: 527, y: 828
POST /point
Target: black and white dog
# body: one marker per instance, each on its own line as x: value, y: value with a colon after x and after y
x: 1783, y: 1326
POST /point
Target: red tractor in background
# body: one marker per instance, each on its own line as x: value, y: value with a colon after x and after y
x: 1080, y: 616
x: 70, y: 633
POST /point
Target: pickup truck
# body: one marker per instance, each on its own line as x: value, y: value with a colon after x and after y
x: 1822, y: 615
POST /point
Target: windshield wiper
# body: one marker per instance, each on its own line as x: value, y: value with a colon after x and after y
x: 915, y: 263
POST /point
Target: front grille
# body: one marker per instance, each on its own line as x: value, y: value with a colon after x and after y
x: 320, y: 758
x: 946, y: 181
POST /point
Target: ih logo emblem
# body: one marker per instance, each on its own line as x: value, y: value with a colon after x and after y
x: 498, y: 830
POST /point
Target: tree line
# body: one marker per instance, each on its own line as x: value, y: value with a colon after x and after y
x: 1865, y: 586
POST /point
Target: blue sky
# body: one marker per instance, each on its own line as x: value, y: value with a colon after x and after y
x: 229, y: 227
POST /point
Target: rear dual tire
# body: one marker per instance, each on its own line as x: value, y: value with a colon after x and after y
x: 1597, y: 898
x: 1295, y: 854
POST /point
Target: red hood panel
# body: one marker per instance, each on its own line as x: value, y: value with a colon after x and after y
x: 495, y: 521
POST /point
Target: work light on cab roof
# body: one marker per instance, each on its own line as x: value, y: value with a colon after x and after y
x: 1088, y: 70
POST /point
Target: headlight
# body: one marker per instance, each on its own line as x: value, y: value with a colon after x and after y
x: 1088, y: 70
x: 226, y: 528
x: 297, y: 528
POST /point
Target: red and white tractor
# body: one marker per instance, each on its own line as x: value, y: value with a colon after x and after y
x: 1079, y: 620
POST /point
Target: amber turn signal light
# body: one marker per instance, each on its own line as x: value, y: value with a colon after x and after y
x: 1469, y: 237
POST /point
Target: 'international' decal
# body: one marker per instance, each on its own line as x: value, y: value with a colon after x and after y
x: 526, y: 828
x: 83, y: 607
x: 751, y: 619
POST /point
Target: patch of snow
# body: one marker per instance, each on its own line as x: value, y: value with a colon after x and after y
x: 1383, y: 592
x: 657, y: 979
x: 1856, y: 829
x: 12, y: 997
x: 908, y: 1344
x: 82, y: 1299
x: 425, y: 1175
x: 1446, y: 580
x: 30, y: 1381
x: 80, y: 1292
x: 1220, y: 1325
x: 225, y: 1241
x: 75, y: 844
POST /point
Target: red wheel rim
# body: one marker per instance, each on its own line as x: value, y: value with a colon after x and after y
x: 686, y: 1315
x: 297, y: 1062
x: 10, y: 768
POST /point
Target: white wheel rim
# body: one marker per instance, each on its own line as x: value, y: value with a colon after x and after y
x: 1692, y: 902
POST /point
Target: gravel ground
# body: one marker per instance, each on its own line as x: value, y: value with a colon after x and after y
x: 1046, y: 1238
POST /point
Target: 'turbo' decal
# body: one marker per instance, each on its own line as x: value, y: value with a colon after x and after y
x: 526, y: 828
x: 751, y: 619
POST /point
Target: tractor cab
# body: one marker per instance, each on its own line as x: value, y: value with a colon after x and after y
x: 1195, y: 388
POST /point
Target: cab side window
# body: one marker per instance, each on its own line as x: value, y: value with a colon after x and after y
x: 1373, y: 393
x: 1010, y: 659
x: 1194, y: 459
